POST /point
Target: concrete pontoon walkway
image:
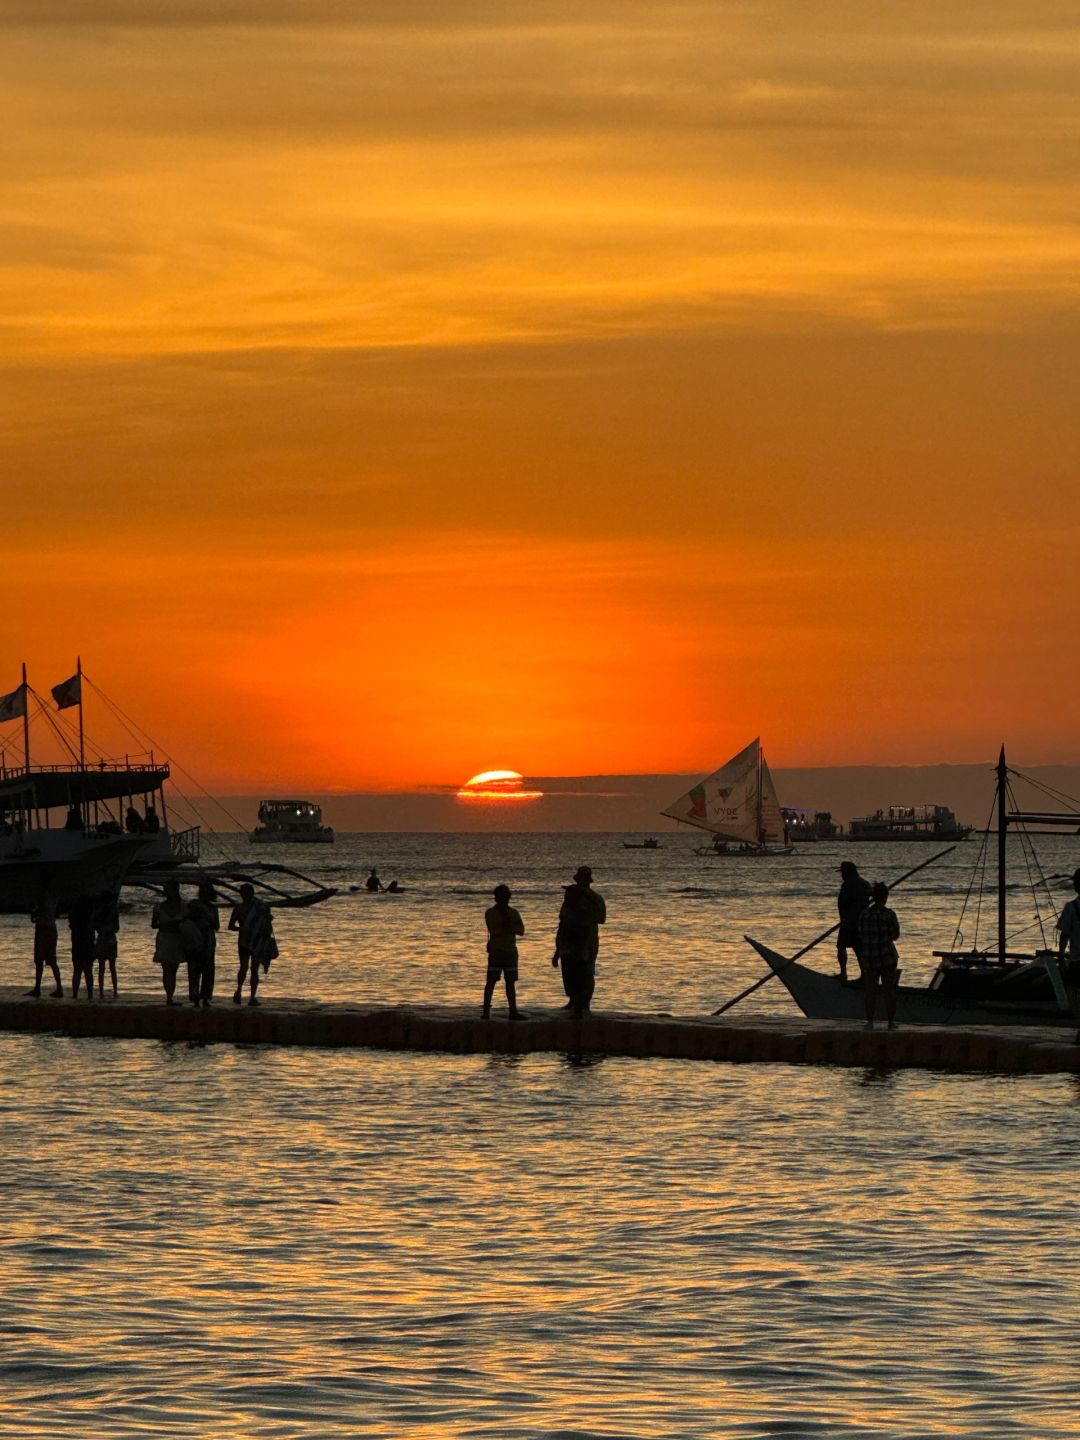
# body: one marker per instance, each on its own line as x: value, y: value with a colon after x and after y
x: 460, y: 1031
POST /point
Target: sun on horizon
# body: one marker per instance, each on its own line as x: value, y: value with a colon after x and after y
x: 497, y: 786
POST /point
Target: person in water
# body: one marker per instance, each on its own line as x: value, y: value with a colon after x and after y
x: 256, y: 946
x: 393, y: 888
x: 373, y: 883
x: 45, y: 941
x: 504, y: 925
x: 1068, y: 926
x: 879, y: 931
x: 577, y: 940
x: 81, y: 925
x: 853, y: 899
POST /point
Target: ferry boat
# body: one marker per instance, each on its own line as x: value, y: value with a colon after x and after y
x: 801, y: 825
x: 90, y: 824
x: 975, y: 983
x: 934, y: 823
x: 291, y: 822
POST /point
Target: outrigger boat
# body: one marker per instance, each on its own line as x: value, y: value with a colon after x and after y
x: 81, y: 827
x: 971, y: 986
x: 738, y: 806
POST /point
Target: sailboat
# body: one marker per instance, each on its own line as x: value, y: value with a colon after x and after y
x: 974, y: 984
x: 738, y: 806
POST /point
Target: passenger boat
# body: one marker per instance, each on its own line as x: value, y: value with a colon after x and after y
x: 995, y: 984
x: 650, y: 844
x: 291, y: 822
x: 738, y: 806
x: 802, y: 826
x: 934, y: 824
x: 86, y: 825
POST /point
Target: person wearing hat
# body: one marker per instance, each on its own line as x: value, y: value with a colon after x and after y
x: 853, y: 899
x: 577, y: 941
x: 1069, y: 943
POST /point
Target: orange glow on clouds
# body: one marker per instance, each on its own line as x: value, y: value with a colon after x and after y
x: 497, y: 786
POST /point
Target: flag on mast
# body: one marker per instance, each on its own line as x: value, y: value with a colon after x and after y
x: 13, y: 704
x: 68, y: 692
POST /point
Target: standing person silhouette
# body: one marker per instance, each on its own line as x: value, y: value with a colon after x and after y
x: 106, y: 930
x: 1068, y: 926
x: 853, y: 899
x: 879, y: 931
x: 577, y: 941
x: 81, y: 925
x: 166, y: 918
x: 45, y: 939
x: 504, y: 925
x: 256, y: 946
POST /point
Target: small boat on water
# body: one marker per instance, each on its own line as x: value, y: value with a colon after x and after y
x: 976, y: 984
x: 291, y: 822
x: 932, y: 824
x: 738, y: 806
x: 650, y: 844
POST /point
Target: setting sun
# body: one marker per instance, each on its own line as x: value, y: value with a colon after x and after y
x: 497, y: 785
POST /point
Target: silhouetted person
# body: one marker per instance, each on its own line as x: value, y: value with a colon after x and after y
x: 45, y: 941
x: 151, y: 824
x: 879, y: 931
x: 81, y: 925
x: 577, y: 941
x: 1069, y: 944
x: 256, y: 946
x: 167, y: 917
x: 504, y: 925
x: 853, y: 899
x: 202, y: 912
x: 393, y: 888
x: 106, y: 932
x: 74, y: 819
x: 133, y: 821
x: 373, y: 882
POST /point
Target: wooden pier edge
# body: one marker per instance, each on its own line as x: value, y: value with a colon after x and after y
x: 459, y: 1031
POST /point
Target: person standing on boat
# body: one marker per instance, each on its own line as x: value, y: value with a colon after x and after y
x: 1069, y: 944
x: 879, y: 931
x: 853, y: 899
x: 504, y: 925
x: 202, y: 912
x: 81, y: 925
x: 254, y: 922
x: 166, y: 918
x: 45, y: 939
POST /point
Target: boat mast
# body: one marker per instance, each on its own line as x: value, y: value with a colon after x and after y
x: 82, y: 740
x: 1003, y: 821
x: 25, y: 720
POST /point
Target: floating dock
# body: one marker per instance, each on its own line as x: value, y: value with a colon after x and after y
x: 460, y: 1031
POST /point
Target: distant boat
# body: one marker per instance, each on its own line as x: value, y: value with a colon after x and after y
x: 650, y: 844
x: 738, y: 806
x: 802, y: 827
x: 909, y: 822
x: 291, y: 822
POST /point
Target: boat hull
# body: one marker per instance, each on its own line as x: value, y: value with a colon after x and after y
x: 95, y: 864
x: 825, y: 997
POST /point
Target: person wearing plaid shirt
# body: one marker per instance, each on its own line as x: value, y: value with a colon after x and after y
x: 879, y: 931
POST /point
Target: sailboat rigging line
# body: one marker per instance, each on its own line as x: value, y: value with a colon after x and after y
x: 979, y: 870
x: 730, y: 1004
x: 1027, y: 849
x: 1046, y: 789
x: 136, y: 729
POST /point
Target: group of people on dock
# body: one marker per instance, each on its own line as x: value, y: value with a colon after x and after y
x: 577, y: 944
x: 186, y: 935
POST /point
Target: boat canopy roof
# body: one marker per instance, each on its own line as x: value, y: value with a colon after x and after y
x: 49, y: 787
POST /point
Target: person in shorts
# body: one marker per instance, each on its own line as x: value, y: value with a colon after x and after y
x: 504, y: 925
x: 879, y: 931
x: 255, y: 942
x: 853, y: 899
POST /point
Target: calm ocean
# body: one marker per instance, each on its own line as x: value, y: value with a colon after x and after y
x: 220, y: 1242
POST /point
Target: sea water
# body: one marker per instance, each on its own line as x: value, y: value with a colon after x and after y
x: 215, y: 1241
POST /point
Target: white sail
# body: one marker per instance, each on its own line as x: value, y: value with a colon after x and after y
x: 726, y: 802
x: 773, y: 829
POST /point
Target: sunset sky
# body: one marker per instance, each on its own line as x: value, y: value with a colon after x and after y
x: 398, y: 389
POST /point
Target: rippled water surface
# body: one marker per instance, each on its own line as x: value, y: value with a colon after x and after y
x: 249, y: 1242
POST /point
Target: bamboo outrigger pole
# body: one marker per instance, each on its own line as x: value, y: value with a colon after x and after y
x: 730, y: 1004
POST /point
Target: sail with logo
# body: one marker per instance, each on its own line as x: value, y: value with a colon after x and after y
x: 738, y: 806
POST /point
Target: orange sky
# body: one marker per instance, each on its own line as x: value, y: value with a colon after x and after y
x: 393, y: 391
